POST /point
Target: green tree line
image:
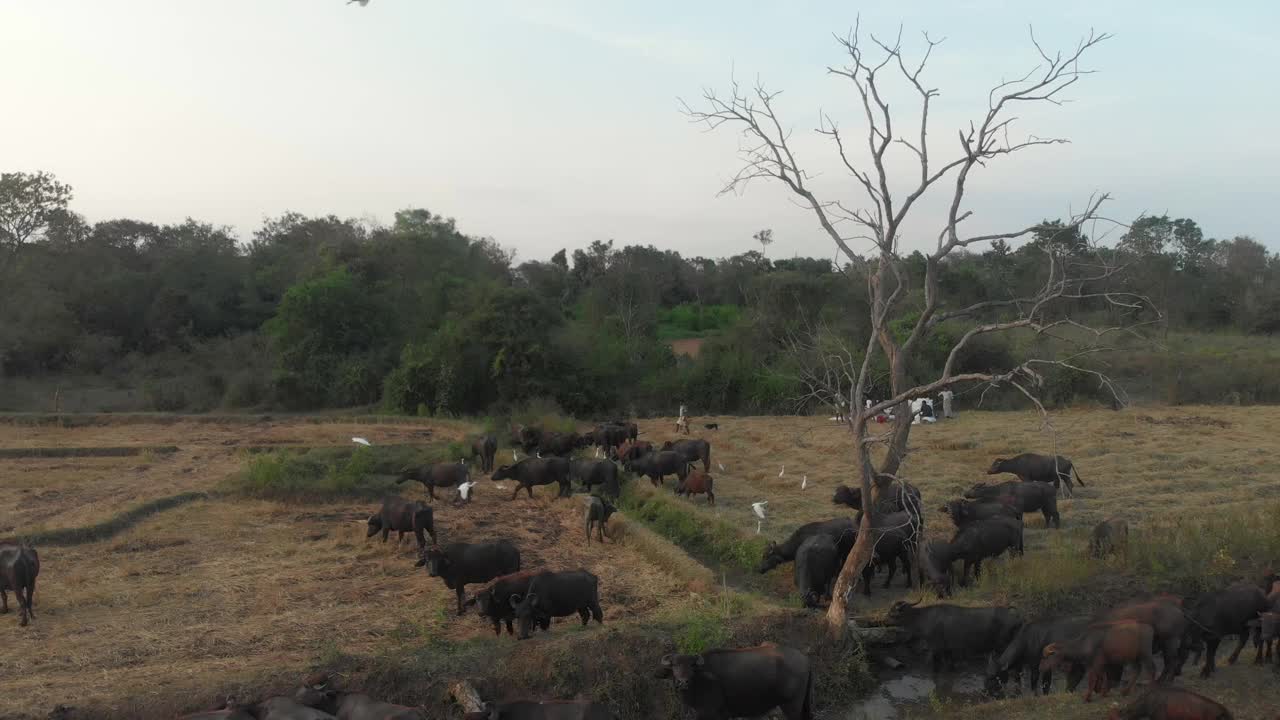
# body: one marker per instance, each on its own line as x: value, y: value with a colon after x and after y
x: 418, y: 317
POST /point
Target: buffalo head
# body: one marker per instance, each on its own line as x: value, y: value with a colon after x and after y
x: 772, y: 558
x: 901, y: 610
x: 846, y: 495
x: 681, y: 669
x: 525, y: 612
x: 436, y: 562
x: 502, y: 473
x: 375, y: 525
x: 997, y: 466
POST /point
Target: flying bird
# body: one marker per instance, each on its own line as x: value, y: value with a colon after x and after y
x: 361, y: 441
x: 361, y: 3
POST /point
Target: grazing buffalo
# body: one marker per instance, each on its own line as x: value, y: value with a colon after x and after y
x: 1109, y: 536
x: 610, y: 435
x: 692, y: 451
x: 632, y: 449
x: 901, y: 497
x: 656, y: 466
x: 403, y: 516
x: 596, y: 472
x: 536, y: 471
x: 543, y: 710
x: 1165, y: 618
x: 459, y: 564
x: 949, y: 631
x: 1170, y: 703
x: 745, y: 682
x: 598, y: 512
x: 494, y: 600
x: 934, y: 566
x: 19, y: 567
x: 1030, y: 467
x: 966, y: 512
x: 1119, y: 643
x: 485, y: 447
x: 985, y: 539
x: 698, y: 482
x: 893, y: 538
x: 1223, y: 613
x: 816, y: 569
x: 440, y: 475
x: 559, y: 444
x: 841, y: 529
x: 559, y: 594
x: 530, y: 439
x: 1028, y: 497
x: 321, y: 693
x: 1027, y: 648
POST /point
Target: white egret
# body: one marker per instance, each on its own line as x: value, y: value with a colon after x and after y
x: 360, y: 441
x: 804, y: 481
x: 782, y: 471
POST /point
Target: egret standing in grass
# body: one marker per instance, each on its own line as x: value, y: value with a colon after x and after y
x: 804, y: 481
x: 758, y: 509
x: 783, y: 471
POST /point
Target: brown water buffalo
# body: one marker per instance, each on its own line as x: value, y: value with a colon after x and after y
x: 632, y: 449
x: 1122, y: 642
x: 543, y: 710
x: 1222, y: 614
x: 459, y: 564
x: 744, y: 682
x: 597, y: 515
x: 1169, y: 703
x: 536, y: 471
x: 1165, y: 618
x: 403, y: 516
x: 19, y: 567
x: 486, y: 448
x: 698, y: 482
x: 1029, y: 497
x: 445, y: 474
x: 494, y: 600
x: 692, y: 451
x: 1109, y: 536
x: 1030, y: 467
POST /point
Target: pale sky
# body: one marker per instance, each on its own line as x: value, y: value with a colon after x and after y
x: 552, y: 124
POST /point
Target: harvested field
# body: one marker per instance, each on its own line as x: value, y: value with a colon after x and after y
x: 230, y: 595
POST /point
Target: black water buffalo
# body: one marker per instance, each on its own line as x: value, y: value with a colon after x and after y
x: 841, y: 529
x: 985, y: 539
x: 900, y: 497
x: 460, y: 564
x: 543, y: 710
x: 321, y: 692
x: 744, y: 682
x: 949, y: 631
x: 494, y: 600
x: 530, y: 439
x: 1110, y: 535
x: 1029, y: 497
x: 1169, y: 703
x: 934, y: 566
x: 657, y: 465
x: 1026, y: 649
x: 698, y: 482
x: 1223, y: 613
x: 632, y: 449
x: 610, y: 436
x: 445, y: 474
x: 596, y: 472
x: 403, y: 516
x: 816, y: 569
x: 1030, y: 467
x: 19, y: 567
x: 893, y: 537
x: 633, y: 430
x: 598, y: 512
x: 692, y: 451
x: 1102, y: 647
x: 559, y: 444
x: 1167, y: 620
x: 536, y: 471
x: 486, y: 448
x: 966, y: 512
x: 559, y: 594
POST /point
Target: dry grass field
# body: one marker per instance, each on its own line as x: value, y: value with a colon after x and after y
x: 227, y: 593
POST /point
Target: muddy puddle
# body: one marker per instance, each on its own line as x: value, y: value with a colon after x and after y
x: 911, y: 690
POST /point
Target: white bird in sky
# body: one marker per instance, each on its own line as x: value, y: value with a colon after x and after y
x: 782, y: 471
x: 360, y: 441
x: 804, y: 481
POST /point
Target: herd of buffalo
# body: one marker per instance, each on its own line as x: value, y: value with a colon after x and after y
x: 750, y: 682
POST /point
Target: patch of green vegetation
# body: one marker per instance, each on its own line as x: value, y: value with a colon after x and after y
x: 321, y: 474
x: 702, y: 537
x: 690, y: 320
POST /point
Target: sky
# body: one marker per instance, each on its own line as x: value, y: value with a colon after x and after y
x: 554, y: 123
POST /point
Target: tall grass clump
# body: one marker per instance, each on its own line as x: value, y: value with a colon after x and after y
x: 326, y: 473
x: 1052, y: 579
x: 697, y: 535
x: 1204, y: 552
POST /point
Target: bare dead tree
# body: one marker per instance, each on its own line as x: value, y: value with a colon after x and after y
x: 840, y: 374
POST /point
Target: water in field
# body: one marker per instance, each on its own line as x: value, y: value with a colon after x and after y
x: 913, y: 690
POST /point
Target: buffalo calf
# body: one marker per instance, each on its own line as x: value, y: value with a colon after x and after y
x: 1169, y: 703
x: 698, y: 482
x: 403, y: 516
x: 598, y: 512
